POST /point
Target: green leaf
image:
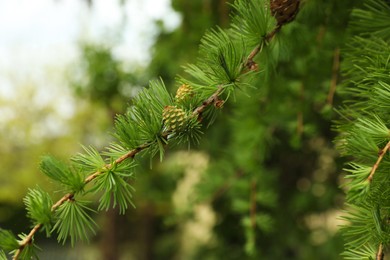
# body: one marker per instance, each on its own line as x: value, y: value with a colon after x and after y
x: 250, y: 235
x: 224, y: 56
x: 143, y: 123
x: 365, y: 252
x: 72, y: 180
x: 73, y: 220
x: 381, y: 95
x: 366, y: 61
x: 364, y: 129
x: 38, y: 204
x: 191, y: 134
x: 8, y: 241
x: 360, y: 145
x: 115, y: 150
x: 265, y: 222
x: 252, y: 20
x: 361, y: 228
x: 202, y: 79
x: 115, y: 188
x: 2, y: 255
x: 221, y: 62
x: 90, y: 161
x: 373, y: 18
x: 373, y: 128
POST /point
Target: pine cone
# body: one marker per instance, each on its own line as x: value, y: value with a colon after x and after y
x: 174, y: 118
x: 183, y: 92
x: 284, y: 11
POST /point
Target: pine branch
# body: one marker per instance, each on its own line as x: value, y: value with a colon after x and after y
x: 250, y: 64
x: 69, y: 196
x: 231, y: 65
x: 130, y: 154
x: 212, y: 100
x: 380, y: 255
x: 363, y: 129
x: 253, y: 203
x: 335, y: 72
x: 376, y: 165
x: 28, y: 239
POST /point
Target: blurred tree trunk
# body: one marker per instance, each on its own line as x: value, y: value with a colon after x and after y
x: 109, y: 235
x: 147, y: 238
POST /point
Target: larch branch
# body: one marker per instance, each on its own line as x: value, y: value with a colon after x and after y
x: 27, y: 240
x: 378, y: 161
x: 212, y: 100
x: 335, y: 73
x: 380, y: 254
x: 253, y: 203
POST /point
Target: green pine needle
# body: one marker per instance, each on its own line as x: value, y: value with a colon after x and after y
x: 115, y: 150
x: 30, y: 250
x: 115, y: 188
x: 253, y: 21
x: 143, y: 122
x: 381, y: 95
x: 73, y: 220
x: 221, y: 60
x: 72, y: 180
x: 8, y: 241
x: 361, y: 228
x: 90, y: 161
x: 38, y: 204
x: 374, y: 128
x: 365, y: 252
x: 224, y: 56
x: 374, y: 18
x: 191, y: 134
x: 364, y: 130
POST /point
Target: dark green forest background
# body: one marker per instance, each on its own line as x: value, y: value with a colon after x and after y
x: 264, y: 183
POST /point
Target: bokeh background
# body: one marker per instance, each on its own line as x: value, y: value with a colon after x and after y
x: 264, y: 183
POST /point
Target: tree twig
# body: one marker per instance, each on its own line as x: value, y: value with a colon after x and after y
x: 130, y: 154
x: 375, y: 167
x: 253, y: 204
x: 27, y: 240
x: 335, y: 72
x: 380, y: 254
x: 271, y: 35
x: 250, y: 64
x: 211, y: 100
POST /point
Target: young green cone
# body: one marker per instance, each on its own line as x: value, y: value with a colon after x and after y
x: 174, y: 118
x: 183, y: 93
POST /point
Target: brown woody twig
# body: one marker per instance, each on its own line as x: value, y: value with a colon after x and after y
x: 253, y: 204
x: 250, y: 64
x: 376, y: 165
x: 380, y: 254
x: 335, y: 72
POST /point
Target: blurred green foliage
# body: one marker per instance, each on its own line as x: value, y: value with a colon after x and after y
x: 101, y: 77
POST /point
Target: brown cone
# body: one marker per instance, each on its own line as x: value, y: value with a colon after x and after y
x: 284, y: 11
